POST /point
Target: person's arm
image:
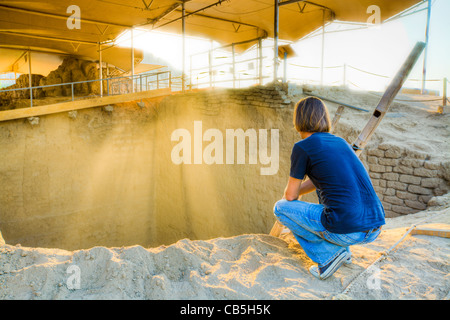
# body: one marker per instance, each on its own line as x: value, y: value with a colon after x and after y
x: 296, y: 187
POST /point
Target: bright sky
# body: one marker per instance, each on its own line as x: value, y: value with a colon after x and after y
x: 380, y: 50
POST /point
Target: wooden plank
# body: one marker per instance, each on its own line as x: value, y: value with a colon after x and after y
x: 436, y: 229
x: 80, y: 104
x: 387, y: 98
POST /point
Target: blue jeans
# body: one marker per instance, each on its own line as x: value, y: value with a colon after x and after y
x: 322, y: 246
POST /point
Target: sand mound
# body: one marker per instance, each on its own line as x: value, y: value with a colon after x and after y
x: 251, y: 266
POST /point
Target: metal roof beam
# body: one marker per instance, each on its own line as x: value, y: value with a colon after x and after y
x: 57, y: 16
x: 46, y: 38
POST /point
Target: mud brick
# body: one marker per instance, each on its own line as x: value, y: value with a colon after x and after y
x: 394, y: 152
x: 390, y: 176
x: 431, y: 182
x: 386, y: 205
x: 419, y: 190
x: 397, y: 185
x: 403, y: 169
x: 410, y: 179
x: 423, y: 172
x: 375, y: 152
x: 374, y: 175
x: 403, y: 209
x: 417, y: 155
x: 414, y: 163
x: 407, y: 196
x: 379, y: 190
x: 372, y: 160
x: 432, y: 165
x: 393, y: 200
x: 389, y: 192
x: 425, y: 199
x: 415, y: 205
x: 388, y: 162
x: 377, y: 168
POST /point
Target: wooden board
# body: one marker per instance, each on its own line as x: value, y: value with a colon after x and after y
x: 433, y: 229
x: 80, y: 104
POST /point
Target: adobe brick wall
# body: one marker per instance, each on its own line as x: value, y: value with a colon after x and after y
x: 405, y: 180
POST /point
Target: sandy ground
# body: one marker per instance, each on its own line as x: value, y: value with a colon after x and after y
x: 250, y: 266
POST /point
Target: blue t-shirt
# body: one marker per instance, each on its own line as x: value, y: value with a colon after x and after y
x: 342, y: 182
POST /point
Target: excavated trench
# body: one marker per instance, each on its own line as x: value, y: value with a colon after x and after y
x: 110, y: 177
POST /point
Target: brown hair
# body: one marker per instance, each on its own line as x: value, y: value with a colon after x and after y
x: 311, y: 115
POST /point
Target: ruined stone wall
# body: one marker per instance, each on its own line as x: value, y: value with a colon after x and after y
x: 405, y: 180
x: 70, y: 70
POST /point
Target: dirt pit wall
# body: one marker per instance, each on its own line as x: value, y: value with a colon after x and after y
x: 105, y: 176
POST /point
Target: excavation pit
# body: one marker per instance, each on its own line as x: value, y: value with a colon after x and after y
x: 108, y: 178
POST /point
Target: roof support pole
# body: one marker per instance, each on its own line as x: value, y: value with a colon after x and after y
x: 183, y: 31
x: 260, y: 61
x: 132, y: 60
x: 100, y: 68
x: 323, y: 48
x: 424, y: 72
x: 30, y: 81
x: 275, y: 38
x: 234, y: 65
x: 210, y: 59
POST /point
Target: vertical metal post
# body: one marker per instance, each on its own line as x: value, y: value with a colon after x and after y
x: 107, y: 78
x: 424, y: 72
x: 190, y: 72
x: 100, y: 70
x: 260, y: 61
x: 234, y: 65
x: 210, y: 58
x: 285, y: 68
x: 323, y: 48
x: 444, y: 97
x: 183, y: 27
x: 30, y: 81
x: 345, y: 75
x: 71, y: 88
x: 275, y: 37
x: 132, y: 60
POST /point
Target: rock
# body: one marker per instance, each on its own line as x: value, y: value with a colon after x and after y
x: 108, y: 108
x: 73, y: 114
x: 2, y: 241
x: 34, y: 121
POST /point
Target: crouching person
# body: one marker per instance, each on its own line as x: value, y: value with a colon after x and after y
x: 349, y: 212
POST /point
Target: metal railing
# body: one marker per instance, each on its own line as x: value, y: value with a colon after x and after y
x: 108, y: 86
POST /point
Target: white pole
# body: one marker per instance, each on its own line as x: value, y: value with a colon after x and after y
x: 183, y: 30
x: 100, y: 69
x: 30, y: 81
x: 323, y: 49
x: 275, y: 37
x: 132, y: 60
x: 424, y: 75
